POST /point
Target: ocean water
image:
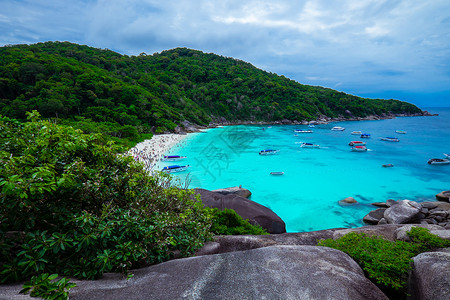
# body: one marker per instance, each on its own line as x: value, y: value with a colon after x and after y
x: 306, y: 196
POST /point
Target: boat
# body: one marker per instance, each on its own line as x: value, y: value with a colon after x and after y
x: 357, y: 143
x: 401, y: 131
x: 309, y: 145
x: 268, y: 152
x: 311, y: 125
x: 175, y: 168
x: 338, y: 128
x: 359, y: 148
x: 276, y: 173
x: 387, y: 165
x: 390, y: 139
x: 356, y: 132
x: 303, y: 131
x: 365, y: 136
x: 173, y: 157
x: 447, y: 155
x: 439, y: 161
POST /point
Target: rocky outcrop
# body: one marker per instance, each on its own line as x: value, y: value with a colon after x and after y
x: 430, y: 277
x: 347, y: 201
x: 443, y: 196
x: 235, y: 190
x: 410, y: 212
x: 247, y: 209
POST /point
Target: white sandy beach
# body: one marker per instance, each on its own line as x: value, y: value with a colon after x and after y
x: 150, y: 152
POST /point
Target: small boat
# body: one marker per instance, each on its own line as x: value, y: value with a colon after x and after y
x: 276, y: 173
x: 309, y: 145
x: 390, y: 139
x: 311, y: 125
x: 302, y: 131
x: 359, y: 148
x: 356, y: 132
x: 173, y: 157
x: 447, y: 155
x: 365, y: 136
x: 268, y: 152
x: 439, y: 161
x: 175, y: 168
x: 387, y: 165
x: 401, y: 131
x: 338, y: 128
x: 357, y: 143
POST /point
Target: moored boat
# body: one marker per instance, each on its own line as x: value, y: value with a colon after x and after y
x: 365, y: 136
x: 268, y: 152
x: 359, y: 148
x: 447, y: 155
x: 439, y: 161
x: 390, y: 139
x: 173, y: 157
x: 387, y: 165
x: 175, y: 169
x: 309, y: 145
x: 276, y: 173
x: 401, y: 131
x: 311, y: 125
x: 357, y: 132
x: 338, y: 128
x: 303, y: 131
x: 357, y: 143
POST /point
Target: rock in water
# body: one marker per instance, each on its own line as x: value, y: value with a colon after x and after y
x: 374, y: 216
x: 443, y: 196
x: 347, y: 201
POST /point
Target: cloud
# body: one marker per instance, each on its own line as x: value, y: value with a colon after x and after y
x: 359, y: 46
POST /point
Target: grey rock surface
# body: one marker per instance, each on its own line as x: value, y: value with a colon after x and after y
x: 402, y: 212
x: 235, y: 190
x: 430, y: 278
x: 374, y: 216
x: 247, y: 209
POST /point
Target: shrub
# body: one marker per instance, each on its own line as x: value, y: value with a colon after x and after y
x: 228, y: 222
x: 70, y: 205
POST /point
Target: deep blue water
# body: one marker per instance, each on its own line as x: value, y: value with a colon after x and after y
x: 306, y: 196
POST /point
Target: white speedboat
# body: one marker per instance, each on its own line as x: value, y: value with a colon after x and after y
x: 303, y: 131
x: 447, y: 155
x: 439, y: 161
x: 357, y: 132
x: 357, y: 143
x: 338, y: 128
x: 401, y: 131
x: 173, y: 157
x: 359, y: 148
x: 268, y: 152
x: 175, y: 169
x: 390, y: 139
x: 309, y: 145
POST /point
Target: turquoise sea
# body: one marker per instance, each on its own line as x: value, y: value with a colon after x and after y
x: 306, y: 196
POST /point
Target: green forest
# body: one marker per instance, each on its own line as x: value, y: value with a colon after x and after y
x: 132, y: 97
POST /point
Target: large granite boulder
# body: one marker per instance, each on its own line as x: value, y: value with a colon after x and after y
x: 247, y: 209
x: 443, y: 196
x: 430, y: 278
x: 277, y: 272
x: 235, y: 190
x: 402, y: 212
x: 374, y: 216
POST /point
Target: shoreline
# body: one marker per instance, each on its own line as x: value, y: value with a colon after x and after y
x: 151, y: 152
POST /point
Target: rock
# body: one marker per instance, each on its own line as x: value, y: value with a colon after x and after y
x: 401, y: 233
x: 430, y: 277
x: 390, y: 202
x: 247, y: 209
x: 439, y: 213
x: 429, y: 205
x: 402, y: 212
x: 386, y: 231
x: 443, y: 196
x: 276, y: 272
x: 380, y: 204
x: 235, y: 190
x: 347, y: 201
x: 382, y: 222
x: 374, y: 216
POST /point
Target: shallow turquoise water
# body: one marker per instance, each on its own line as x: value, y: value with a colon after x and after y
x: 306, y: 196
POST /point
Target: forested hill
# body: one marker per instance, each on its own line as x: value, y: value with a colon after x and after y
x: 130, y: 95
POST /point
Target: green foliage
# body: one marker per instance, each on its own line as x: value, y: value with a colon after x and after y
x: 45, y: 287
x: 70, y: 205
x: 386, y: 263
x: 228, y: 222
x: 157, y: 92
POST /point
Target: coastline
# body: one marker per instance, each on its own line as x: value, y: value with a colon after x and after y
x: 152, y: 151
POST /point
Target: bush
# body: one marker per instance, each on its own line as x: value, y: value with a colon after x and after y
x: 228, y: 222
x: 386, y: 263
x: 70, y: 205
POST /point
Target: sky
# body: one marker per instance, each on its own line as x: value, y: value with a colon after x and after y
x: 397, y: 49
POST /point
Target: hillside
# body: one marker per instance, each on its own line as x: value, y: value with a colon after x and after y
x: 127, y: 96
